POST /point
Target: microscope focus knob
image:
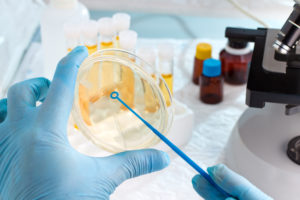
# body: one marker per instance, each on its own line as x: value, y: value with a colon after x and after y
x: 293, y: 150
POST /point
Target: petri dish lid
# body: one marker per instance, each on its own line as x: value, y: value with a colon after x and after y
x: 105, y: 121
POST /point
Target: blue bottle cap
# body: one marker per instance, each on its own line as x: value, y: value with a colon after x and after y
x: 211, y: 67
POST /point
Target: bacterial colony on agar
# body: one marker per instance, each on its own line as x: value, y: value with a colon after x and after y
x: 108, y: 123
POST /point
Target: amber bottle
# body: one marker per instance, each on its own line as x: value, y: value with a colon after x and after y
x: 203, y: 51
x: 235, y: 59
x: 211, y: 82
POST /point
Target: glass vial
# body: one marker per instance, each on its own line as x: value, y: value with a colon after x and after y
x: 166, y: 67
x: 127, y: 41
x: 89, y: 36
x: 109, y: 72
x: 107, y: 33
x: 121, y: 22
x: 211, y: 82
x: 72, y: 35
x: 235, y: 59
x: 203, y: 52
x: 151, y: 102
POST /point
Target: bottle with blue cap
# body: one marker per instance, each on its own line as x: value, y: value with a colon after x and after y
x: 211, y: 82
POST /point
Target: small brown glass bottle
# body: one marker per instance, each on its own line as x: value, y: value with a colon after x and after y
x: 203, y: 51
x: 211, y: 82
x: 235, y: 60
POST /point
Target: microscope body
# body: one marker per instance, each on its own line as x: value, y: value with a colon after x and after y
x: 267, y: 134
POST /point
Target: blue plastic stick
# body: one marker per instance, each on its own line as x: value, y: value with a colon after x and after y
x: 115, y: 95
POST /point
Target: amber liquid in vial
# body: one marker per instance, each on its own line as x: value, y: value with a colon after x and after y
x: 127, y: 86
x: 92, y: 49
x: 211, y: 89
x: 169, y: 81
x: 151, y: 101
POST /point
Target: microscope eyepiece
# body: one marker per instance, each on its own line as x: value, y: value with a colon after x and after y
x: 289, y: 35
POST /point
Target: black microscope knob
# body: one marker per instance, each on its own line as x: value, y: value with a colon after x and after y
x: 293, y: 150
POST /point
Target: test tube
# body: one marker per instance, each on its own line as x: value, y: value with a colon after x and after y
x: 107, y: 32
x: 89, y: 38
x: 89, y: 33
x: 127, y: 41
x: 109, y: 73
x: 166, y: 67
x: 151, y: 102
x: 72, y: 35
x: 121, y: 22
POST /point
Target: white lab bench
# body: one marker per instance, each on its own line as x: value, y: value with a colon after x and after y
x: 213, y: 125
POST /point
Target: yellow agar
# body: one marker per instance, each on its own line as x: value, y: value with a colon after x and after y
x: 84, y: 104
x: 106, y: 80
x: 106, y: 45
x: 108, y: 71
x: 92, y: 49
x: 151, y: 101
x: 127, y: 89
x: 117, y: 43
x: 169, y: 81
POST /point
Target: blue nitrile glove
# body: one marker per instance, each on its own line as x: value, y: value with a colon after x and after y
x: 229, y: 181
x: 36, y: 159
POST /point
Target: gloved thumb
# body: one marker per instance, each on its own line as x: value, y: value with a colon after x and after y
x: 131, y: 164
x: 236, y: 184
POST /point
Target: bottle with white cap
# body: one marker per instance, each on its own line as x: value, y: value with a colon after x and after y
x: 127, y: 41
x: 121, y: 22
x: 166, y: 67
x: 72, y: 35
x: 54, y: 16
x: 89, y: 36
x: 107, y: 32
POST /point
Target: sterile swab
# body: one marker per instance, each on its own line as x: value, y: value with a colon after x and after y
x: 115, y: 95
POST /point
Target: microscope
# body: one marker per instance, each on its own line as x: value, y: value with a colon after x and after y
x: 265, y: 143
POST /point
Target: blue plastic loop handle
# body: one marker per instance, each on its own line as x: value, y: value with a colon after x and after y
x: 115, y: 95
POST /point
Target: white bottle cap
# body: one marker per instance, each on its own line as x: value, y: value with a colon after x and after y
x: 121, y: 21
x: 166, y: 52
x: 127, y: 40
x: 106, y: 27
x: 72, y: 30
x: 89, y: 30
x: 64, y: 4
x: 148, y: 55
x: 72, y: 34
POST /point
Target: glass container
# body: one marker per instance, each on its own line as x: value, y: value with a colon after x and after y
x: 106, y: 122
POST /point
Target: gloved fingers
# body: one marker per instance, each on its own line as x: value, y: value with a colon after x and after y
x: 24, y: 95
x: 131, y: 164
x: 3, y: 109
x: 205, y: 189
x: 59, y: 101
x: 235, y: 184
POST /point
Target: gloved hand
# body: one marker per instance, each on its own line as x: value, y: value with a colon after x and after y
x: 36, y: 160
x: 229, y: 181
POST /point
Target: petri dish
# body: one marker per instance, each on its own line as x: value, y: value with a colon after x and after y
x: 105, y: 121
